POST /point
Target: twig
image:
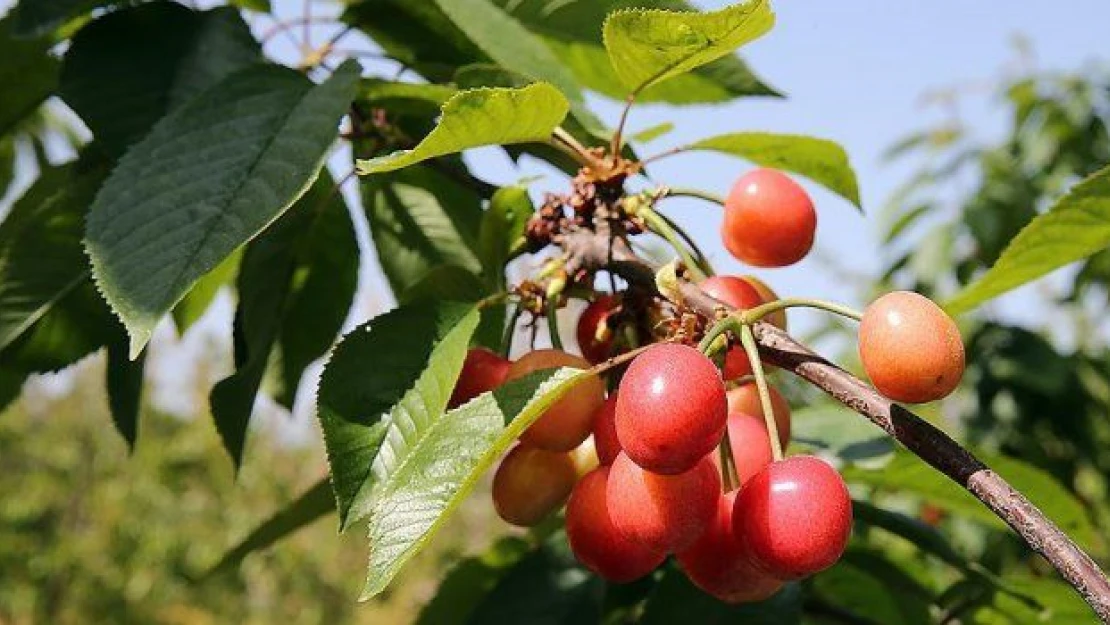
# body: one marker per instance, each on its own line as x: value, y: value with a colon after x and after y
x: 585, y: 250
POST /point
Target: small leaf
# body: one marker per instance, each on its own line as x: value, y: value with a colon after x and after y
x: 677, y: 600
x: 652, y: 132
x: 647, y: 47
x: 502, y: 229
x: 192, y: 191
x: 420, y: 219
x: 29, y: 75
x: 820, y: 160
x: 431, y: 462
x: 124, y: 381
x: 195, y: 303
x: 313, y: 504
x: 126, y: 70
x: 410, y: 355
x: 1076, y: 227
x: 470, y: 581
x: 482, y: 117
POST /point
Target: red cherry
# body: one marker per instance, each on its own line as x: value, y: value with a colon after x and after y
x: 596, y: 542
x: 769, y: 219
x: 671, y: 408
x: 532, y: 483
x: 482, y: 371
x: 595, y: 337
x: 720, y: 565
x: 750, y: 443
x: 745, y: 399
x: 795, y: 517
x: 910, y: 348
x: 605, y: 431
x: 662, y: 512
x: 567, y: 423
x: 738, y: 293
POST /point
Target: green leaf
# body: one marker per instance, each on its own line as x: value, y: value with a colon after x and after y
x: 313, y: 504
x: 820, y: 160
x: 261, y: 6
x: 677, y: 600
x: 388, y: 94
x: 432, y: 461
x: 926, y: 538
x: 1059, y: 604
x: 445, y: 282
x: 1074, y: 228
x: 652, y: 133
x: 41, y: 260
x: 864, y: 593
x: 482, y: 117
x: 647, y: 47
x: 125, y: 71
x: 192, y: 191
x: 29, y: 75
x: 196, y: 302
x: 73, y: 327
x: 502, y: 230
x: 515, y: 48
x: 11, y: 385
x: 420, y: 219
x: 408, y: 358
x: 908, y: 474
x: 836, y: 431
x: 33, y: 18
x: 469, y: 582
x: 124, y: 381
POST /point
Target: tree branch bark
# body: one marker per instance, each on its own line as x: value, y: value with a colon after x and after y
x: 587, y: 250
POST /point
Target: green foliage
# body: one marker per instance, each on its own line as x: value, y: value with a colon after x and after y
x: 482, y: 117
x: 1076, y: 227
x: 675, y: 600
x: 502, y: 231
x: 649, y: 47
x: 470, y: 581
x: 205, y: 206
x: 124, y: 382
x: 28, y: 73
x: 195, y: 303
x: 820, y: 160
x: 32, y: 18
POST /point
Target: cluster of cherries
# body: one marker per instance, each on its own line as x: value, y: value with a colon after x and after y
x: 640, y: 471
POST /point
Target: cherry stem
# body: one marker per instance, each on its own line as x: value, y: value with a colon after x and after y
x: 615, y: 146
x: 510, y: 332
x: 729, y: 475
x: 565, y: 142
x: 751, y: 315
x: 690, y: 242
x: 694, y: 193
x: 664, y: 229
x: 664, y: 154
x: 553, y: 322
x: 747, y: 339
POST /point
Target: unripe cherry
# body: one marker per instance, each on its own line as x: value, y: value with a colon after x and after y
x: 605, y: 430
x: 567, y: 423
x: 769, y: 219
x: 740, y: 294
x: 720, y: 565
x: 910, y: 348
x: 750, y: 444
x: 777, y: 318
x: 595, y: 337
x: 671, y: 408
x: 662, y: 512
x: 482, y: 371
x: 794, y: 517
x: 596, y: 542
x: 532, y: 483
x: 745, y: 399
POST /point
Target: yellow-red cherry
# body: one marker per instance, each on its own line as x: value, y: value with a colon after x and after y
x: 531, y: 483
x: 605, y: 431
x: 744, y: 399
x: 483, y: 370
x: 769, y: 219
x: 595, y: 336
x: 568, y: 422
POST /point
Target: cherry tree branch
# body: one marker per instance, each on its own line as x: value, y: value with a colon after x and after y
x: 587, y: 250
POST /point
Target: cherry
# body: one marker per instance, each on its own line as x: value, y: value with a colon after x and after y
x: 750, y: 443
x: 662, y: 512
x: 738, y: 293
x: 605, y: 431
x: 769, y: 219
x: 595, y: 337
x: 532, y: 483
x: 745, y: 399
x: 721, y: 566
x: 670, y: 409
x: 777, y: 318
x: 567, y: 423
x: 910, y: 348
x: 794, y: 517
x: 596, y: 542
x: 482, y: 371
x: 584, y: 457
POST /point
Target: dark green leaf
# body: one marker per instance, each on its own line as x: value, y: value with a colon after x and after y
x: 126, y: 70
x: 420, y: 219
x: 482, y: 117
x: 432, y: 461
x: 445, y: 282
x: 262, y: 6
x: 835, y: 430
x: 820, y: 160
x: 676, y: 600
x: 502, y: 230
x: 872, y: 593
x: 469, y: 582
x: 33, y: 18
x: 310, y: 506
x: 124, y: 380
x: 11, y: 385
x: 1074, y: 228
x: 647, y: 47
x: 192, y: 191
x: 407, y: 359
x: 29, y: 75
